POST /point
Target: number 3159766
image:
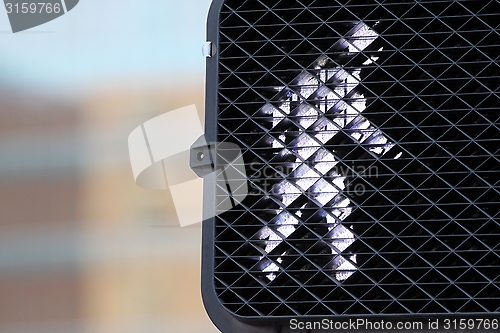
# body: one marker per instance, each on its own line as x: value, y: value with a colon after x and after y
x: 40, y: 7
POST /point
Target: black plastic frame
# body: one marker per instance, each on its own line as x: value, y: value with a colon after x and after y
x: 223, y: 319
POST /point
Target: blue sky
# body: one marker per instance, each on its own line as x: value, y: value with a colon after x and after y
x: 106, y: 41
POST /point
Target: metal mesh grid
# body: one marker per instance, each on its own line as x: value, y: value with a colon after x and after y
x: 371, y: 134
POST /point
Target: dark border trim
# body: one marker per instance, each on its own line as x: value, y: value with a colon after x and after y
x: 220, y: 316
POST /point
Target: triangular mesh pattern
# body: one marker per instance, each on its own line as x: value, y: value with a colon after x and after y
x: 371, y: 134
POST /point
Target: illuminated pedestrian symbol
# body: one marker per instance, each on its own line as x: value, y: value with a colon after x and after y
x: 322, y: 112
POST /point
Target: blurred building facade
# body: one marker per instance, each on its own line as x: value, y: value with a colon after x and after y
x: 39, y: 197
x: 82, y: 248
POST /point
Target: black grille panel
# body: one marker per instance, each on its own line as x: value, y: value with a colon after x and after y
x: 371, y: 134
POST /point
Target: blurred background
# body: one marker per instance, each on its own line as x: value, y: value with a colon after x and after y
x: 82, y: 248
